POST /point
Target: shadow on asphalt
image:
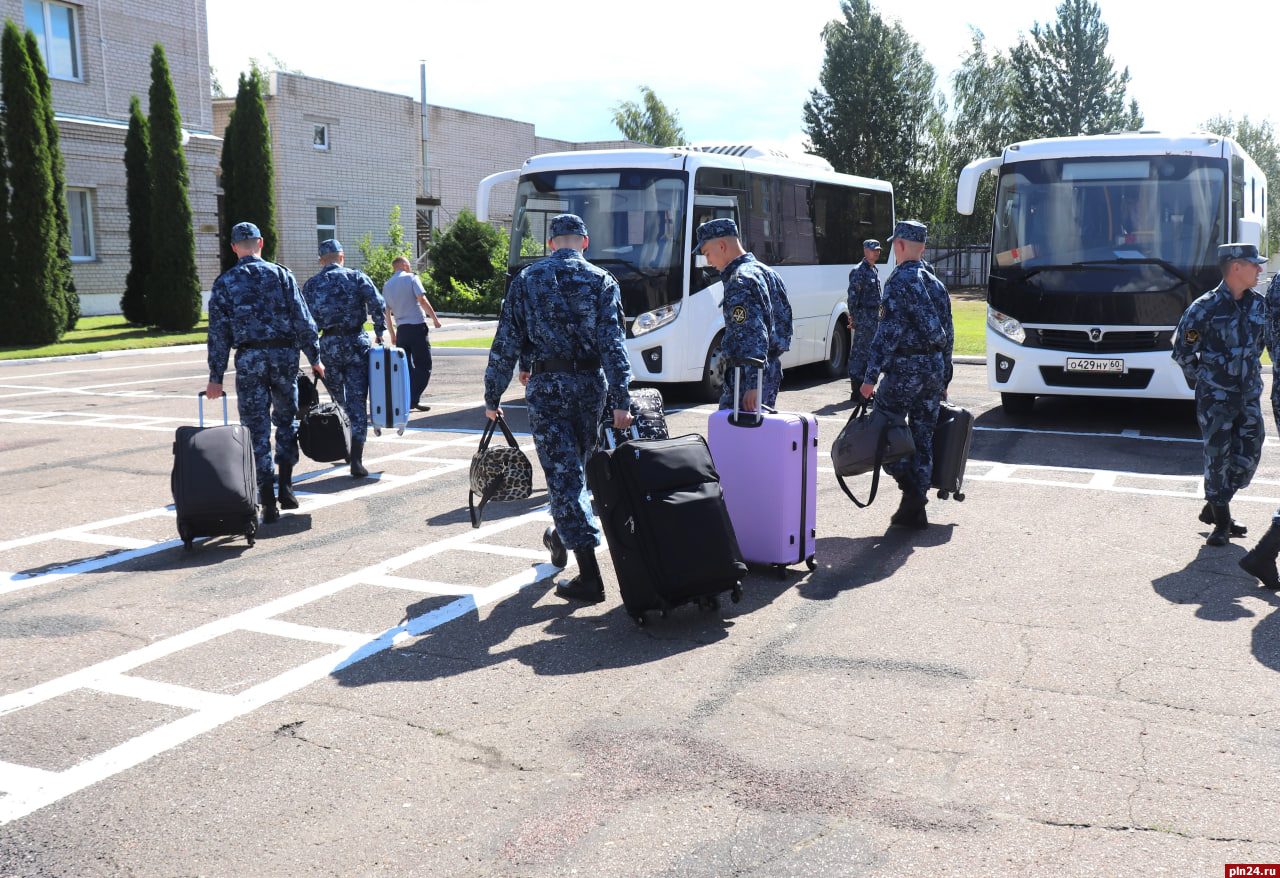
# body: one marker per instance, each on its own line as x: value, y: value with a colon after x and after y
x: 845, y: 564
x: 1215, y: 581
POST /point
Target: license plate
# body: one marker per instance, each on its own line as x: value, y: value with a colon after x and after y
x: 1086, y: 364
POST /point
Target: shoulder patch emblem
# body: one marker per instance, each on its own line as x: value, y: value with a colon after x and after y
x: 739, y: 314
x: 1192, y: 336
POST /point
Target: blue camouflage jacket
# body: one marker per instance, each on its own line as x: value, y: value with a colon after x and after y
x: 757, y: 313
x: 339, y: 296
x: 864, y: 288
x: 257, y: 301
x: 915, y: 318
x: 1219, y: 341
x: 560, y: 308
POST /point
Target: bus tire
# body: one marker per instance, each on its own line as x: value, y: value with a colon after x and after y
x: 713, y: 372
x: 837, y: 362
x: 1018, y: 404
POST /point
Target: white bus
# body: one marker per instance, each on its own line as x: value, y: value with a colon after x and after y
x: 641, y: 208
x: 1098, y: 245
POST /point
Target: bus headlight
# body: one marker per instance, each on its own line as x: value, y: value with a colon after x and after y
x: 651, y: 320
x: 1006, y: 326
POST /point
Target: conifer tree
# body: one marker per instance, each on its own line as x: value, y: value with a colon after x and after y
x: 248, y: 176
x: 173, y: 285
x: 137, y: 170
x: 58, y: 168
x: 6, y: 235
x: 36, y: 311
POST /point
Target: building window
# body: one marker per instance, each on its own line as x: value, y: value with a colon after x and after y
x: 320, y: 139
x: 326, y: 223
x: 80, y: 207
x: 54, y: 25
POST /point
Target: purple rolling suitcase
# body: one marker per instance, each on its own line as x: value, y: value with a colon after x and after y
x: 768, y: 465
x: 388, y: 389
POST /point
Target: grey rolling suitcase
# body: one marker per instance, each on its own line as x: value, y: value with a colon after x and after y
x: 214, y: 481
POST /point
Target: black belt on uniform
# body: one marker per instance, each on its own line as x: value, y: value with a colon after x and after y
x: 343, y: 330
x: 588, y: 365
x: 269, y: 343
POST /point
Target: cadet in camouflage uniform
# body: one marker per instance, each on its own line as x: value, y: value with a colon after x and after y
x: 339, y: 298
x: 864, y: 310
x: 255, y: 307
x: 1219, y: 345
x: 1261, y: 561
x: 757, y: 313
x: 562, y: 319
x: 912, y: 347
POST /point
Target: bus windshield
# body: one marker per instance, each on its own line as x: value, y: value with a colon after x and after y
x: 635, y: 223
x: 1154, y: 215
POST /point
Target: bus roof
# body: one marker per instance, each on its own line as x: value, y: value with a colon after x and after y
x: 1122, y: 144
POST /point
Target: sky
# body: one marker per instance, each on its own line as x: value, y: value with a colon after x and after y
x: 730, y: 75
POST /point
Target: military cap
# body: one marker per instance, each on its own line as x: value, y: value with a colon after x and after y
x: 716, y: 228
x: 871, y: 244
x: 1246, y: 252
x: 244, y: 232
x: 568, y: 224
x: 909, y: 230
x: 330, y: 245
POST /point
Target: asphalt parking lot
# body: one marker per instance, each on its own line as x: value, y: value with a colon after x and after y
x: 1057, y: 678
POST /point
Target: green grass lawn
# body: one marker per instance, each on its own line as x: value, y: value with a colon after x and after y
x: 94, y: 335
x: 970, y: 320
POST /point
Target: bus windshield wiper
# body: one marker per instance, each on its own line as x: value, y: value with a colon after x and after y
x: 1146, y: 260
x: 1037, y: 269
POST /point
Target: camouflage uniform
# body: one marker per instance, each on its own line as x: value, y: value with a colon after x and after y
x: 757, y: 325
x: 339, y: 299
x: 1218, y: 344
x: 912, y: 347
x: 256, y: 308
x: 864, y: 310
x: 563, y: 308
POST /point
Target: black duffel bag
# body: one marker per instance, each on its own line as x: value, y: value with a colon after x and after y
x: 324, y: 433
x: 871, y: 439
x: 500, y: 473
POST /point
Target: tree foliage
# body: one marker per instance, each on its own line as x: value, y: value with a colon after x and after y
x: 248, y: 173
x: 465, y: 251
x: 137, y: 171
x: 1064, y: 83
x: 648, y: 121
x: 376, y: 259
x: 875, y: 107
x: 6, y: 232
x: 173, y: 284
x: 35, y: 310
x: 1259, y: 140
x: 58, y: 169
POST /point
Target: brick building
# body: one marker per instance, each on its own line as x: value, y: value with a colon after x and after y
x: 96, y: 60
x: 344, y: 156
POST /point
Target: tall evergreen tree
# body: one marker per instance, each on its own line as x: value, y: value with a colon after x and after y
x: 651, y: 122
x: 6, y: 233
x: 1064, y: 82
x: 248, y: 175
x: 58, y: 168
x: 137, y: 171
x: 876, y: 103
x: 36, y: 311
x: 173, y: 285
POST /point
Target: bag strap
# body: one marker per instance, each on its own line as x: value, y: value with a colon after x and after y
x: 506, y: 431
x: 477, y: 512
x: 882, y: 443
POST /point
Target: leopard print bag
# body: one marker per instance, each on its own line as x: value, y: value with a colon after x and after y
x: 501, y: 473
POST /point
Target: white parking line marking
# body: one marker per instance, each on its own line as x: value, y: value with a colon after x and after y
x: 160, y: 693
x: 18, y: 777
x: 294, y: 631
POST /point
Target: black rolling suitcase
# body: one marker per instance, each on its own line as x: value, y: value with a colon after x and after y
x: 951, y: 440
x: 668, y: 530
x: 214, y: 481
x: 324, y: 432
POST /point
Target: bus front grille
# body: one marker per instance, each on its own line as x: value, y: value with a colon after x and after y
x: 1111, y: 342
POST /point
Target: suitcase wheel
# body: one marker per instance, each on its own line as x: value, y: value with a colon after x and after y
x: 377, y: 431
x: 400, y: 430
x: 781, y: 570
x: 942, y: 495
x: 638, y: 618
x: 959, y: 497
x: 736, y: 594
x: 184, y: 531
x: 251, y: 532
x: 811, y: 562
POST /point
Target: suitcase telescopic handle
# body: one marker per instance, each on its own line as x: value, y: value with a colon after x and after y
x: 200, y: 398
x: 609, y: 440
x: 737, y: 389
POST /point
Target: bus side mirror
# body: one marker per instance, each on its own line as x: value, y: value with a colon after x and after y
x: 1250, y: 232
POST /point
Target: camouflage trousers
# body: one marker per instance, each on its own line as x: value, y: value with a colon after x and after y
x: 266, y: 394
x: 564, y: 416
x: 772, y: 383
x: 346, y: 374
x: 1232, y: 427
x: 864, y: 330
x: 912, y: 387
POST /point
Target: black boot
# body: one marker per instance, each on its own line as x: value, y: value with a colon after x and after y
x: 267, y: 496
x: 910, y: 511
x: 1237, y: 529
x: 559, y: 554
x: 1221, y: 525
x: 587, y: 586
x: 284, y: 489
x: 357, y: 461
x: 1261, y: 562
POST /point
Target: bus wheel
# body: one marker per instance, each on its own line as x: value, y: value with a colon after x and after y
x: 1018, y: 403
x: 837, y: 364
x: 713, y: 372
